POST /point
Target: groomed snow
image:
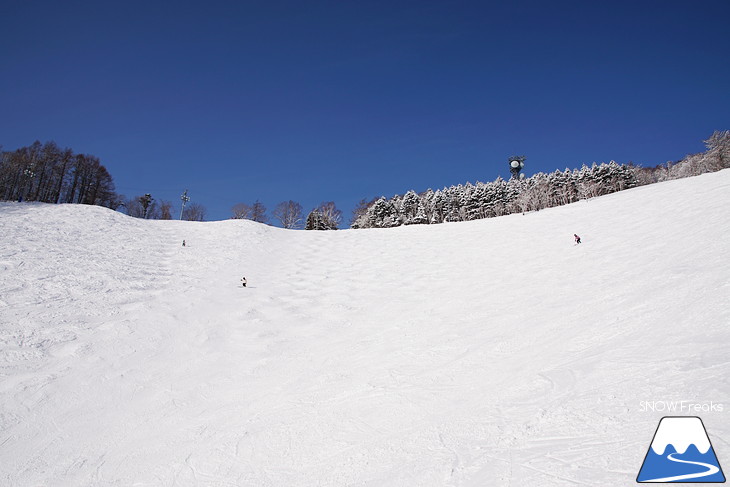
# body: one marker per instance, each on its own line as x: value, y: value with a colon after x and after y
x: 485, y: 353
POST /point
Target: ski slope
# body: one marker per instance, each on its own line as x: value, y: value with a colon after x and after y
x: 485, y: 353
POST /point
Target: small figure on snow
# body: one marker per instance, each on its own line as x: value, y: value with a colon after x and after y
x: 183, y: 243
x: 243, y: 281
x: 577, y: 239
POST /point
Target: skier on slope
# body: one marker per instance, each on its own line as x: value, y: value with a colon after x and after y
x: 243, y: 281
x: 577, y: 238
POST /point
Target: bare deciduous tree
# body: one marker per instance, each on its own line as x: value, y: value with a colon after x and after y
x: 241, y: 211
x: 360, y: 210
x: 330, y: 214
x: 165, y: 210
x: 194, y: 212
x: 258, y: 212
x: 289, y: 214
x: 133, y: 207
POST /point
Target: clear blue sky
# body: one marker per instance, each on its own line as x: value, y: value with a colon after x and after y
x: 342, y: 100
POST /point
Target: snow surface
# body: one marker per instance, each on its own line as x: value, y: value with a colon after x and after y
x: 485, y: 353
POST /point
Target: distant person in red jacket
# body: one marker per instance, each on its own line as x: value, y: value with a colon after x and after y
x: 577, y: 238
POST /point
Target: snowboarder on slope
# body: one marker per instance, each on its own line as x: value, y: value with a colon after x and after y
x: 243, y: 281
x: 183, y: 243
x: 577, y: 238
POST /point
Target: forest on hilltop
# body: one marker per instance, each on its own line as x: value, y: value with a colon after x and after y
x: 47, y: 173
x: 469, y: 201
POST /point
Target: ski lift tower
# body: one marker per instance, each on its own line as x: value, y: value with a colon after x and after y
x: 516, y: 163
x: 184, y: 198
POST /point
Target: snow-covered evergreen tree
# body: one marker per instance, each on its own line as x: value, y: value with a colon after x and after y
x: 420, y: 218
x: 453, y: 203
x: 409, y: 207
x: 315, y: 221
x: 438, y: 207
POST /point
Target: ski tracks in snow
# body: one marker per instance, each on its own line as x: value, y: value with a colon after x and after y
x: 478, y: 353
x: 68, y: 299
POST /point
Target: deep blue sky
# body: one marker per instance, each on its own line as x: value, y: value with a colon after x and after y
x: 342, y: 100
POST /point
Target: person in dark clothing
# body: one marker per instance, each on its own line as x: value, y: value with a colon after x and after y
x: 243, y: 281
x: 577, y: 238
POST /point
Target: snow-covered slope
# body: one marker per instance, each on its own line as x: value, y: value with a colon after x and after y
x: 493, y: 352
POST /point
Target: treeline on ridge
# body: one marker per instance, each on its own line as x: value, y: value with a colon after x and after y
x: 46, y: 173
x: 500, y: 197
x: 49, y: 174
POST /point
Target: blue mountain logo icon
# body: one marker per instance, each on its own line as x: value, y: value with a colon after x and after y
x: 680, y: 452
